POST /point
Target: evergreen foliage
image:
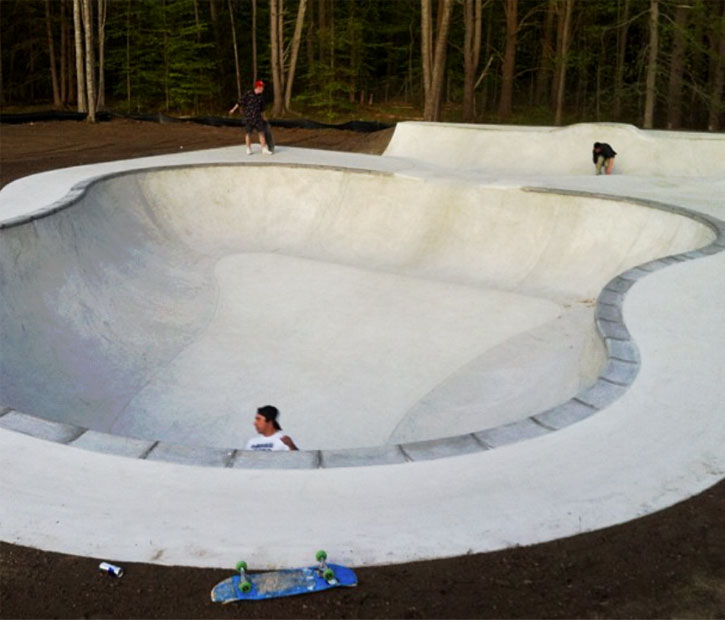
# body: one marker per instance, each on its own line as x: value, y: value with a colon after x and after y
x: 177, y: 56
x: 157, y: 53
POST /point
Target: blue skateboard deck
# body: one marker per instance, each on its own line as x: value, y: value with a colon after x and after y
x: 288, y: 582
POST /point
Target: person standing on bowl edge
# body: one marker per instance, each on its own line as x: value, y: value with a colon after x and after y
x: 252, y: 106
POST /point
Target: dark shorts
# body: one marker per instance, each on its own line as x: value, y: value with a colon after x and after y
x: 252, y: 124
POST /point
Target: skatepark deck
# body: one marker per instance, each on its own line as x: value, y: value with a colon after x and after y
x: 431, y: 332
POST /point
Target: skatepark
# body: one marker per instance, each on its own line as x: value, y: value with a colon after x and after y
x: 484, y: 337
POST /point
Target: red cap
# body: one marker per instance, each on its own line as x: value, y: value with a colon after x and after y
x: 259, y: 83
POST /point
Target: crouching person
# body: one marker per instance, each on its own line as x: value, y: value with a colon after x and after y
x: 603, y: 156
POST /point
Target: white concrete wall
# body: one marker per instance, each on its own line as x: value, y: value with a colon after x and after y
x: 560, y: 150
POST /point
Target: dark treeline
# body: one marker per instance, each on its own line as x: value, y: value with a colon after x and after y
x: 654, y: 63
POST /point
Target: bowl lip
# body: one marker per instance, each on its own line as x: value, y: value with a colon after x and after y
x: 621, y: 366
x: 80, y: 188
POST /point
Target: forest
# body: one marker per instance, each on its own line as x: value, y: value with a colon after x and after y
x: 652, y: 63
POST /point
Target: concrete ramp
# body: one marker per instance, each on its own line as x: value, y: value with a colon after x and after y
x: 541, y: 151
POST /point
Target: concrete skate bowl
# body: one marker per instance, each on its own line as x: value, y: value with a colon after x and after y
x: 390, y: 319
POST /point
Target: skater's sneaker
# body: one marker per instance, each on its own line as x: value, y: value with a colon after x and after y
x: 266, y: 151
x: 249, y: 150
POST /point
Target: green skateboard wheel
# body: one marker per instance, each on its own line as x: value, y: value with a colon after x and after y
x: 321, y: 555
x: 328, y: 575
x: 241, y: 566
x: 245, y: 586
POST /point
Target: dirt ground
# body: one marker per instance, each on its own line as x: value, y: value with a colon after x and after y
x: 667, y: 565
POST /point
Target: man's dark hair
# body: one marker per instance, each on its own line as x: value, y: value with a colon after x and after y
x: 270, y: 413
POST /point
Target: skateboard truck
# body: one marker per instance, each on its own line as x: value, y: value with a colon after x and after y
x: 323, y: 569
x: 244, y: 584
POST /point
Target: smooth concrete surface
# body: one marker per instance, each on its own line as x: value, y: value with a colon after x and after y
x: 451, y: 296
x: 561, y: 150
x: 175, y: 301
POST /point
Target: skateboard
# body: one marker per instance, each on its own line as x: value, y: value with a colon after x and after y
x: 288, y: 582
x: 268, y: 136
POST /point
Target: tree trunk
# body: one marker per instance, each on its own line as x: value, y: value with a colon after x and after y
x: 197, y: 24
x: 562, y: 60
x: 677, y: 67
x: 509, y: 59
x: 64, y: 87
x: 331, y: 12
x: 276, y: 58
x: 280, y: 48
x: 718, y: 75
x: 439, y: 58
x: 297, y: 38
x: 619, y: 69
x: 90, y: 61
x: 128, y: 56
x: 102, y: 12
x: 221, y: 73
x: 426, y: 44
x: 236, y: 50
x: 485, y: 90
x: 281, y: 68
x: 472, y: 49
x: 214, y: 16
x: 410, y: 87
x: 598, y: 94
x: 167, y: 58
x: 310, y: 38
x: 80, y: 73
x: 2, y: 77
x: 322, y: 30
x: 432, y: 108
x: 254, y: 40
x: 650, y: 88
x: 543, y: 75
x: 51, y: 55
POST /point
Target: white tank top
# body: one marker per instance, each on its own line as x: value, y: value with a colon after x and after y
x: 267, y: 444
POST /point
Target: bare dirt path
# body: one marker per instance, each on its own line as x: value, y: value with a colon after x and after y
x: 668, y: 565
